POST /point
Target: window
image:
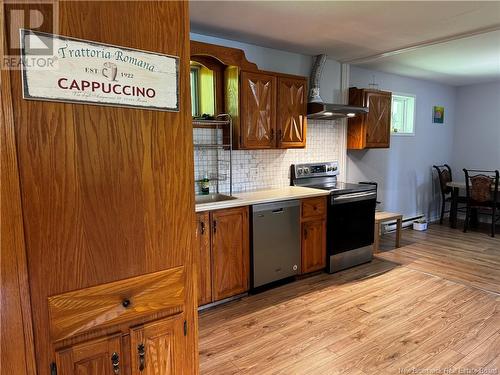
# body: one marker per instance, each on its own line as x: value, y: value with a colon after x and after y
x: 195, y: 95
x: 403, y: 114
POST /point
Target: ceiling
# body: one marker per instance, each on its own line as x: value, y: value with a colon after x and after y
x: 459, y: 62
x: 352, y: 30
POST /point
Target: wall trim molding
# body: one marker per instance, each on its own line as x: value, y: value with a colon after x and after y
x: 427, y: 43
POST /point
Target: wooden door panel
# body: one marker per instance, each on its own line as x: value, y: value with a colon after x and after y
x: 291, y: 116
x: 258, y: 110
x: 378, y: 120
x: 157, y: 348
x: 313, y: 245
x: 113, y: 303
x: 230, y: 252
x: 204, y: 262
x: 97, y: 357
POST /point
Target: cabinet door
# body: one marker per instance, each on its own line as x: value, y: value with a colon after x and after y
x: 378, y: 119
x: 97, y: 357
x: 230, y: 252
x: 291, y: 120
x: 258, y: 110
x: 202, y: 244
x: 313, y: 245
x: 157, y: 348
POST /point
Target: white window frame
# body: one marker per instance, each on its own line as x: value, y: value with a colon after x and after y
x: 414, y: 115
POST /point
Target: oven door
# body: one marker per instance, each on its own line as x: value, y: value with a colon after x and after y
x: 351, y: 220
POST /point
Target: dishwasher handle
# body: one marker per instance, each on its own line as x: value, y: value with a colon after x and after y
x: 275, y: 207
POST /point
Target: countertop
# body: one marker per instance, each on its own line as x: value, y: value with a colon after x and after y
x: 263, y: 196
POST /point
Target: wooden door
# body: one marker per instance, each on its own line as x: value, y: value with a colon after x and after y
x: 202, y: 244
x: 157, y: 348
x: 230, y: 252
x: 258, y: 110
x: 313, y: 245
x: 103, y: 189
x: 378, y: 119
x: 97, y: 357
x: 291, y: 120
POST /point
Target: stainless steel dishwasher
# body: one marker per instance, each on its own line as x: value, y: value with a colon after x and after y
x: 276, y: 241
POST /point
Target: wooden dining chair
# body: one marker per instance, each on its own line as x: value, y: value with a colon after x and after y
x: 444, y: 175
x: 481, y: 188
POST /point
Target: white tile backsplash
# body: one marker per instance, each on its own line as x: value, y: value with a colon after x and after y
x: 262, y: 169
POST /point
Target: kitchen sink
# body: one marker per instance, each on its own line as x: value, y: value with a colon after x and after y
x: 212, y: 198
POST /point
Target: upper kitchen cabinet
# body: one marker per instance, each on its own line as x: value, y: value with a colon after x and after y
x: 268, y: 109
x: 258, y: 110
x: 292, y: 110
x: 373, y: 129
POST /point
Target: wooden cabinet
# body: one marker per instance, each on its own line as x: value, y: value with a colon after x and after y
x: 273, y: 111
x: 230, y: 252
x: 291, y: 120
x: 202, y: 244
x: 313, y: 234
x: 258, y: 110
x: 268, y: 109
x: 157, y: 348
x: 373, y: 129
x: 97, y: 357
x: 222, y: 244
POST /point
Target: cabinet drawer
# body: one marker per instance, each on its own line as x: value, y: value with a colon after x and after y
x: 108, y: 304
x: 313, y: 208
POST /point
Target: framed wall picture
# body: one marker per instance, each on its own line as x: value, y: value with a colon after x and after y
x: 438, y: 115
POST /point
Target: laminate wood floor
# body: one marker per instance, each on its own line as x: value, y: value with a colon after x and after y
x: 433, y: 312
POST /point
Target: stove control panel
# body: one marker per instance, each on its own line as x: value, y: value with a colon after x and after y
x: 315, y: 169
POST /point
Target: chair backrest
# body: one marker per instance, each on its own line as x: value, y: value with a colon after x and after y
x: 444, y: 174
x: 481, y: 185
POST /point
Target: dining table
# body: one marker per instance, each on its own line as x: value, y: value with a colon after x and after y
x: 456, y: 186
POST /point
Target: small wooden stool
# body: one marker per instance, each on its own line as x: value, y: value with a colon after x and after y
x: 382, y: 217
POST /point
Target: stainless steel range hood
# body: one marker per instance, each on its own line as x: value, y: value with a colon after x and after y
x: 316, y: 108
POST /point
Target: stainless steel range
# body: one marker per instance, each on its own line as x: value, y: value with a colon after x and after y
x: 351, y: 213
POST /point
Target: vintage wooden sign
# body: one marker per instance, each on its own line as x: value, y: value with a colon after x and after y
x: 80, y: 71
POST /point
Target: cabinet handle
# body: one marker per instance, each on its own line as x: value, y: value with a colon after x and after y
x: 215, y: 226
x: 280, y: 135
x: 305, y: 233
x: 142, y: 356
x: 271, y: 136
x: 115, y: 361
x: 202, y: 225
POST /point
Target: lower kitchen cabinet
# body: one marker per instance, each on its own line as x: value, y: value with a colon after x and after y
x: 96, y: 357
x: 202, y: 244
x: 222, y: 240
x: 313, y: 245
x: 313, y: 234
x: 230, y: 252
x: 157, y: 348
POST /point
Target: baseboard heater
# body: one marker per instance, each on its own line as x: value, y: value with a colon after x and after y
x: 408, y: 222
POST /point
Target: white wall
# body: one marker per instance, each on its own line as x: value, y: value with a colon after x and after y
x: 477, y: 130
x: 404, y: 171
x: 261, y: 169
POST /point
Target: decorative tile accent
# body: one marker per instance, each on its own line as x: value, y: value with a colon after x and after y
x: 263, y: 169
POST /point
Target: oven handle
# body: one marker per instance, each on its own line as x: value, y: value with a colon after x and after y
x: 353, y: 197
